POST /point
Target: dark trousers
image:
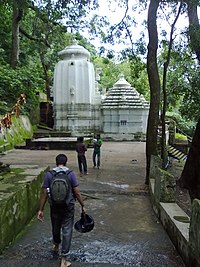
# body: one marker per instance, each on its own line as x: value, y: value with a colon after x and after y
x: 62, y: 218
x: 96, y: 155
x: 82, y: 163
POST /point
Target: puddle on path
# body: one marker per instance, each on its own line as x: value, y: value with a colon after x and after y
x: 125, y: 234
x: 94, y: 253
x: 121, y: 186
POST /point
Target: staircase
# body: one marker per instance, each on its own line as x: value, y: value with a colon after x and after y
x: 176, y: 154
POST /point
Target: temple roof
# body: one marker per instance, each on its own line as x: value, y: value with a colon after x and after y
x: 122, y: 95
x: 74, y: 51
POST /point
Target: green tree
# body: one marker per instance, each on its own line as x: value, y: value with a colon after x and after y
x: 133, y: 69
x: 109, y: 72
x: 164, y: 155
x: 183, y: 84
x: 33, y: 34
x: 17, y: 81
x: 5, y: 33
x: 17, y: 7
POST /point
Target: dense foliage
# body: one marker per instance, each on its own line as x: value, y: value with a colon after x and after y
x: 45, y: 27
x: 133, y: 69
x: 32, y: 34
x: 15, y: 82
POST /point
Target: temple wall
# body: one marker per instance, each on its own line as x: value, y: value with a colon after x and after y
x: 78, y: 118
x: 74, y: 82
x: 125, y: 121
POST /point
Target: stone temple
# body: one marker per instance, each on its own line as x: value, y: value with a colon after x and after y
x: 76, y: 102
x: 124, y: 111
x: 80, y: 108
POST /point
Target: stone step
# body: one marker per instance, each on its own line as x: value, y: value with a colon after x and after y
x: 173, y: 152
x: 54, y: 143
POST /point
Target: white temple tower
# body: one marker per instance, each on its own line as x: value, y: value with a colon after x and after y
x: 76, y: 99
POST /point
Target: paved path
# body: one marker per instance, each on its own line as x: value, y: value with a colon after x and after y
x: 126, y: 232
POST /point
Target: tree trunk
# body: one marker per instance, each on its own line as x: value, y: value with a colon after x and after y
x: 194, y: 27
x: 164, y: 154
x: 154, y: 82
x: 17, y: 16
x: 47, y: 86
x: 190, y: 177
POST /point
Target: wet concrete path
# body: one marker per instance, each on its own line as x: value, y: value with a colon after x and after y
x: 126, y: 233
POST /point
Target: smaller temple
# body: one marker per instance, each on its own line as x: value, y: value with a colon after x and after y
x: 124, y: 112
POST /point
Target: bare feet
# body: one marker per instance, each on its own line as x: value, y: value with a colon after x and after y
x: 65, y: 263
x: 55, y: 248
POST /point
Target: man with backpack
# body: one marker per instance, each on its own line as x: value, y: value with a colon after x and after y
x: 61, y: 188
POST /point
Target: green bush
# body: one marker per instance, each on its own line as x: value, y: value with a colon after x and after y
x: 14, y: 82
x: 179, y: 136
x: 182, y: 124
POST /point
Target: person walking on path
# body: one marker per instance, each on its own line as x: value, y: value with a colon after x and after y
x: 82, y: 162
x: 96, y: 152
x: 62, y: 215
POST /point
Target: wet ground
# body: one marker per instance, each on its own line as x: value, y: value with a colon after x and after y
x: 126, y: 232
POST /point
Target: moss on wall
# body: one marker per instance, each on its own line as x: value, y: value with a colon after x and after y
x: 20, y: 129
x: 194, y: 230
x: 19, y: 191
x: 19, y: 199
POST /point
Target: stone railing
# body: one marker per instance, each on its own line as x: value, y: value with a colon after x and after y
x: 184, y: 231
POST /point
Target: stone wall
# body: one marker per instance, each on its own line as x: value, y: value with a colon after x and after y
x: 123, y: 137
x: 183, y: 231
x: 19, y: 188
x: 20, y: 129
x: 19, y: 198
x: 194, y: 231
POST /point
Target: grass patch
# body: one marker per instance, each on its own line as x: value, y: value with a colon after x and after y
x: 179, y: 136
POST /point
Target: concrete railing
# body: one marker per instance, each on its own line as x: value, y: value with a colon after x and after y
x: 184, y: 231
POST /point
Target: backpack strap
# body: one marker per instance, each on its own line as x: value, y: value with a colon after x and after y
x: 68, y: 171
x: 54, y: 172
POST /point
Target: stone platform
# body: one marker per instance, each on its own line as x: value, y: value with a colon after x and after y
x: 54, y: 143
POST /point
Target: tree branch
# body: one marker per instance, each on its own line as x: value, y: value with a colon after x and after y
x: 122, y: 20
x: 42, y: 16
x: 32, y: 38
x: 130, y: 36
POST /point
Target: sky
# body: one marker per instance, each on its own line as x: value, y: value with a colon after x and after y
x: 115, y: 15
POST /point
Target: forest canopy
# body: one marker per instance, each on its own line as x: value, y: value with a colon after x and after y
x: 34, y: 31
